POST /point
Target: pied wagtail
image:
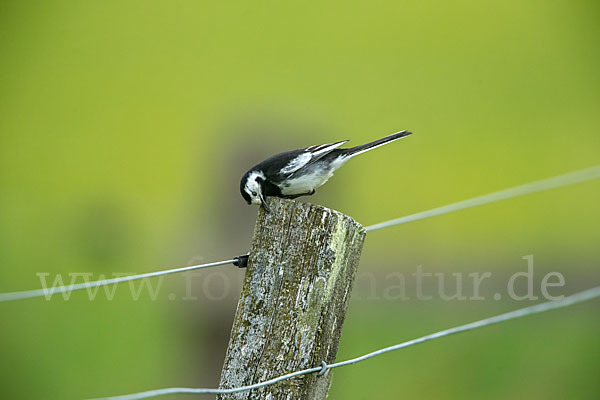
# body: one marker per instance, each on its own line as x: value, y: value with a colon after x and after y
x: 299, y: 172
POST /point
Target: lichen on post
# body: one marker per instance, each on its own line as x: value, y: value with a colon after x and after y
x: 293, y: 303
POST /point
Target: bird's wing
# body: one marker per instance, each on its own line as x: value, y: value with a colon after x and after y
x: 309, y: 156
x: 296, y: 163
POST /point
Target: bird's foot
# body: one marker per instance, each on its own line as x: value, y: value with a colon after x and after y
x: 293, y: 196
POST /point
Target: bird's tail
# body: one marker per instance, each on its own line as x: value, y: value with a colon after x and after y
x: 354, y: 151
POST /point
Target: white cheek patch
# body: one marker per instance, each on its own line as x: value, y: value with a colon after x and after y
x: 250, y: 189
x: 252, y: 184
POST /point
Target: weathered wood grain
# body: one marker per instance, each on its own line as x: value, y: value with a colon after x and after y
x: 293, y: 303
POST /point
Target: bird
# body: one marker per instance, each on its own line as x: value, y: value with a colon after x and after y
x: 296, y: 173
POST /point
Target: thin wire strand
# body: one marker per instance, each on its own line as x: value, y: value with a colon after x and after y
x: 528, y: 188
x: 571, y: 178
x: 87, y: 285
x: 538, y: 308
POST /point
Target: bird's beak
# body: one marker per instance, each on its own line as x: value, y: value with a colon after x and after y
x: 264, y: 203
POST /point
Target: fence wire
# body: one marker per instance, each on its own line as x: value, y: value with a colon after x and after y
x: 528, y: 188
x: 535, y: 309
x: 532, y: 187
x: 87, y: 285
x: 571, y: 178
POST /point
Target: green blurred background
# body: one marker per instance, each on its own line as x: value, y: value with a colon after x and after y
x: 126, y: 125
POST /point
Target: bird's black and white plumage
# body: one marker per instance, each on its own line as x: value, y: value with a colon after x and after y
x: 299, y: 172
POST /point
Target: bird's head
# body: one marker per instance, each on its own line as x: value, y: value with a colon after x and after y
x: 251, y: 187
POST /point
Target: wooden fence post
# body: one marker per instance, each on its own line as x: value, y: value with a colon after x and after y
x: 293, y: 303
